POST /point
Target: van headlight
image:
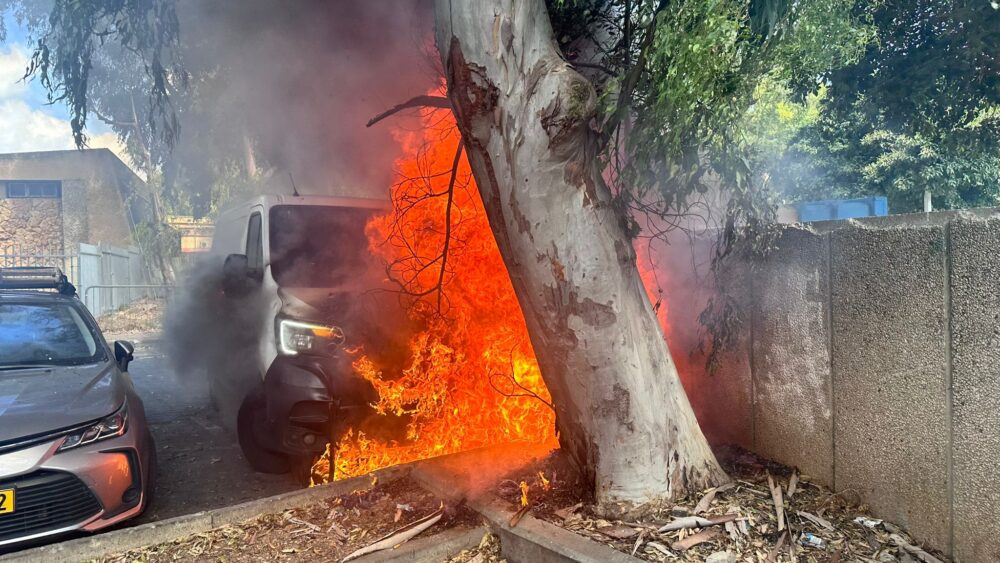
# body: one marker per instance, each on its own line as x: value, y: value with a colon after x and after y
x: 297, y: 337
x: 109, y: 427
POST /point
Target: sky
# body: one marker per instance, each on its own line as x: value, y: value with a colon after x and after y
x: 27, y: 121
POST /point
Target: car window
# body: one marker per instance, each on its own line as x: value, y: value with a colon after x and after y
x: 46, y: 334
x: 255, y: 248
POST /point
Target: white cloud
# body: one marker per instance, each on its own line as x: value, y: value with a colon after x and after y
x: 13, y: 63
x: 24, y: 128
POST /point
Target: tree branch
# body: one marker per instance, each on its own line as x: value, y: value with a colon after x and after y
x: 447, y: 219
x: 631, y: 79
x: 438, y: 102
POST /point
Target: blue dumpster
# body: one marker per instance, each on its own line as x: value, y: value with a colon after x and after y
x: 830, y: 210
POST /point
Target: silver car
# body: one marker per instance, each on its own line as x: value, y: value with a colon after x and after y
x: 75, y: 452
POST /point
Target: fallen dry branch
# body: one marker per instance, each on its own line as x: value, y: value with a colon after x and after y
x: 822, y: 523
x: 685, y: 523
x: 913, y: 550
x: 779, y: 503
x: 399, y: 536
x: 695, y: 539
x: 792, y: 483
x: 705, y: 502
x: 773, y: 556
x: 518, y: 515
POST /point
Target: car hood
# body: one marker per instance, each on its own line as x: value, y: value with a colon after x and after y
x: 36, y: 401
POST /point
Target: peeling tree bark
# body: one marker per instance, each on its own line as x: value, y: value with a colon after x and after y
x: 523, y: 111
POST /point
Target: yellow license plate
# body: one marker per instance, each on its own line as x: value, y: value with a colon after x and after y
x: 6, y: 501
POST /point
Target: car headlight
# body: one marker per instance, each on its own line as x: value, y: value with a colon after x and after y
x: 108, y: 427
x: 297, y: 337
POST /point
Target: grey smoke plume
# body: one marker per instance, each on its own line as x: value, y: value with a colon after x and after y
x: 296, y: 82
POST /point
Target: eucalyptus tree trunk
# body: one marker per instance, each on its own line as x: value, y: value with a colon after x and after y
x: 524, y: 114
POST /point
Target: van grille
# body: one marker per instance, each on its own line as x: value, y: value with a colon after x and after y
x: 46, y: 501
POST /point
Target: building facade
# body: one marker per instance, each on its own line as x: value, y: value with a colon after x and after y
x: 50, y: 202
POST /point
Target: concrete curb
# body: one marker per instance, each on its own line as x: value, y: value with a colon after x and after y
x: 532, y: 540
x: 99, y: 545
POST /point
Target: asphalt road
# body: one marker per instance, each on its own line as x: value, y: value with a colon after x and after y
x: 200, y: 463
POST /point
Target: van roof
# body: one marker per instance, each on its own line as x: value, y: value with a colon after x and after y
x: 270, y: 200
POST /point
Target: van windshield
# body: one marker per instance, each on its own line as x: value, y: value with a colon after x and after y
x: 319, y: 246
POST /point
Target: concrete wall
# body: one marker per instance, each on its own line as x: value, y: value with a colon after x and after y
x: 874, y: 367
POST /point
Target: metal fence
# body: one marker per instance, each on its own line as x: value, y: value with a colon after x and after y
x: 107, y: 278
x: 13, y: 256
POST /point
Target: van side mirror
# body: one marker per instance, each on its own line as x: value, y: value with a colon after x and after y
x: 124, y: 353
x: 236, y: 275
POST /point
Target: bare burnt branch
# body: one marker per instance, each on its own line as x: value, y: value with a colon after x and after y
x: 424, y: 101
x: 517, y: 389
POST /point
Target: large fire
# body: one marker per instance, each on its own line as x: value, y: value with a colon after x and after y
x: 471, y: 379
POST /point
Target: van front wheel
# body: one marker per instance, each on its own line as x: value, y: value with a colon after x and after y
x: 248, y: 421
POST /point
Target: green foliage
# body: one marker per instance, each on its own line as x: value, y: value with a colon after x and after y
x: 917, y: 111
x: 75, y: 31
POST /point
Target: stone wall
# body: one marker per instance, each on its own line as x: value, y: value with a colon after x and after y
x: 31, y: 226
x: 874, y: 367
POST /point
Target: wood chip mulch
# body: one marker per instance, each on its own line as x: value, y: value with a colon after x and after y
x: 738, y: 522
x: 324, y: 531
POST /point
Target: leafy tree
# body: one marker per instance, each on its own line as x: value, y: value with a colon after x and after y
x: 918, y: 112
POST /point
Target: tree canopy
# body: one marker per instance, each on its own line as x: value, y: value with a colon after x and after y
x: 920, y: 110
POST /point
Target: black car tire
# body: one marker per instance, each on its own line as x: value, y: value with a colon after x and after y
x: 260, y: 458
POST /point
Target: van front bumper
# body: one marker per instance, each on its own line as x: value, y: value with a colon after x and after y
x: 308, y: 397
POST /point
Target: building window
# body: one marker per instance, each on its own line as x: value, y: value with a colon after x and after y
x: 35, y: 188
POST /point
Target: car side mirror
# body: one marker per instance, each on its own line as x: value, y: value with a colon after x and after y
x: 124, y: 353
x: 236, y: 275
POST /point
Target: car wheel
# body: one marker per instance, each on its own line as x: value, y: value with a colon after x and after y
x: 260, y: 458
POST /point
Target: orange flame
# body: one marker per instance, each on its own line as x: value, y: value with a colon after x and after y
x: 471, y: 379
x: 524, y: 493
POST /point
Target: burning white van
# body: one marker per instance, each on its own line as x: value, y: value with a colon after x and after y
x: 298, y: 265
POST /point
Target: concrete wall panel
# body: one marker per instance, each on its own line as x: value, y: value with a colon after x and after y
x: 793, y: 418
x: 975, y: 329
x: 890, y: 374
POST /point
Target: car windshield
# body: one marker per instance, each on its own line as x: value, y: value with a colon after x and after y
x: 319, y: 246
x: 39, y: 334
